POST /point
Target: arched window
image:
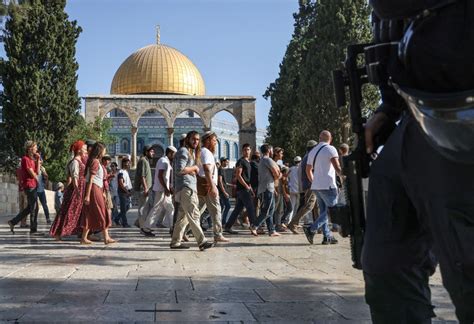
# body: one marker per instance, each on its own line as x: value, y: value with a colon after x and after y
x: 236, y: 151
x: 111, y: 149
x: 140, y: 145
x: 125, y: 146
x: 227, y: 149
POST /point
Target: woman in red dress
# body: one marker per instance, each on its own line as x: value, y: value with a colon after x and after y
x: 96, y: 215
x: 67, y: 221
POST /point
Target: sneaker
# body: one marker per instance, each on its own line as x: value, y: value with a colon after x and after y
x: 48, y: 221
x: 260, y: 231
x: 117, y: 222
x: 126, y: 226
x: 274, y: 234
x: 309, y: 234
x: 12, y: 227
x: 230, y: 231
x: 147, y: 233
x: 179, y: 247
x: 221, y: 238
x: 329, y: 240
x: 205, y: 246
x: 293, y: 229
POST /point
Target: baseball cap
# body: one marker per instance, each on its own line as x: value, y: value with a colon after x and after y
x: 297, y: 159
x: 172, y: 148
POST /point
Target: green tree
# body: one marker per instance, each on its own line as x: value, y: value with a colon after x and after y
x: 307, y: 104
x: 337, y: 24
x: 97, y: 130
x: 287, y: 121
x: 40, y: 100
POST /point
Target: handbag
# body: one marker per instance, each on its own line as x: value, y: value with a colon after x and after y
x: 203, y: 187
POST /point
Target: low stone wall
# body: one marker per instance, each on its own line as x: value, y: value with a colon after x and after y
x: 9, y: 202
x: 8, y: 195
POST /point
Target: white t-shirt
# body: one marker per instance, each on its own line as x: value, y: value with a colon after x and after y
x: 293, y: 179
x: 165, y: 165
x: 126, y: 179
x: 208, y: 158
x: 324, y: 174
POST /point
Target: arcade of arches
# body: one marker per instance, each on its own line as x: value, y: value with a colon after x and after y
x: 170, y: 107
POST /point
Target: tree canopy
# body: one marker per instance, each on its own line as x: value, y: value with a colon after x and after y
x: 39, y: 74
x: 302, y: 99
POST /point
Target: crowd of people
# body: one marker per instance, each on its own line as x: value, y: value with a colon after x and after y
x: 189, y: 192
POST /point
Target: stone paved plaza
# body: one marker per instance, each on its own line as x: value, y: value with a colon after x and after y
x: 140, y: 279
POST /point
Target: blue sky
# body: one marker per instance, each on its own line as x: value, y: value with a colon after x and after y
x: 236, y: 44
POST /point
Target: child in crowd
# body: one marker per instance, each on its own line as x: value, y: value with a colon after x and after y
x: 58, y: 197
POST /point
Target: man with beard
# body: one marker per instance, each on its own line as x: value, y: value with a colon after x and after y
x: 142, y: 187
x: 245, y: 194
x: 208, y: 170
x: 186, y: 191
x: 163, y: 202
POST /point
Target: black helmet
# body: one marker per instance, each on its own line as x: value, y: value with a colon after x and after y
x: 447, y: 120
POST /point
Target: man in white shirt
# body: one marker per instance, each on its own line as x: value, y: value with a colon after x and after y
x: 163, y: 208
x: 208, y: 170
x: 294, y: 186
x: 124, y: 192
x: 321, y: 169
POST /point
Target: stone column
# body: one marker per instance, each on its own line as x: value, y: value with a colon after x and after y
x: 170, y: 135
x: 247, y: 129
x: 134, y: 130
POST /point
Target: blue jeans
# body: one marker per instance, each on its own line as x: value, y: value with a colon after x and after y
x: 124, y: 207
x: 244, y: 199
x: 44, y: 203
x: 267, y: 207
x: 115, y: 208
x: 225, y: 205
x: 326, y: 198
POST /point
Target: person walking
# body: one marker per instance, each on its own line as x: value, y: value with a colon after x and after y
x: 67, y: 220
x: 96, y: 215
x: 208, y: 173
x: 143, y: 186
x: 222, y: 186
x: 254, y: 162
x: 321, y: 169
x: 245, y: 193
x: 294, y: 187
x: 124, y: 193
x: 163, y: 208
x: 308, y: 198
x: 42, y: 181
x: 113, y: 187
x: 58, y: 197
x: 268, y: 172
x: 30, y: 168
x: 186, y: 191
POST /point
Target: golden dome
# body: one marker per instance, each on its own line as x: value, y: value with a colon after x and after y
x: 158, y: 69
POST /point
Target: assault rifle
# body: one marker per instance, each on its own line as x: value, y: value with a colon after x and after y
x: 351, y: 216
